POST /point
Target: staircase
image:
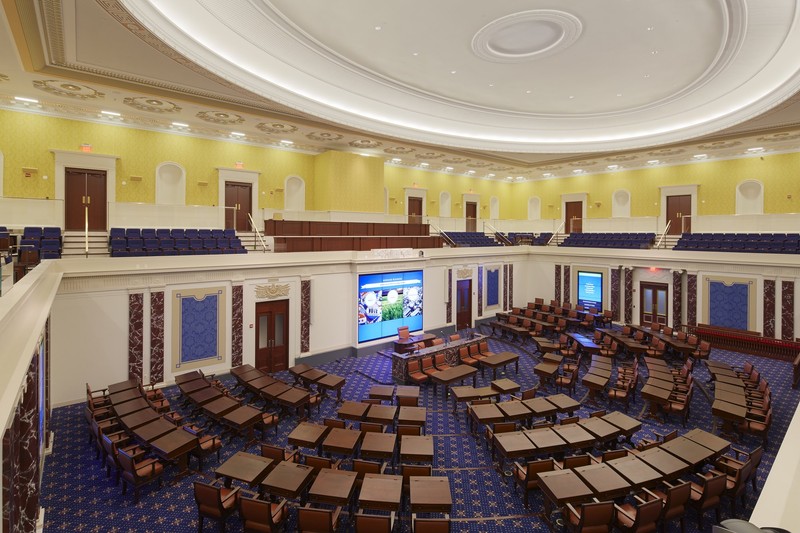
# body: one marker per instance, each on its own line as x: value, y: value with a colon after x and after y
x: 558, y: 239
x: 252, y: 244
x: 73, y: 244
x: 669, y: 242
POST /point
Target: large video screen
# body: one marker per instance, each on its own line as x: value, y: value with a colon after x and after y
x: 590, y: 290
x: 388, y: 301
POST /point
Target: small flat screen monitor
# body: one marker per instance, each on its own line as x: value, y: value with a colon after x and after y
x: 387, y: 301
x: 590, y: 290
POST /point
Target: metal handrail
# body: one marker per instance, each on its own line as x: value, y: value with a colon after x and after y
x: 683, y: 222
x: 555, y: 234
x: 258, y: 233
x: 663, y: 235
x: 86, y: 230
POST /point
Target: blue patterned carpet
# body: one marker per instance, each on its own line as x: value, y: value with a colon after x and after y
x: 77, y: 496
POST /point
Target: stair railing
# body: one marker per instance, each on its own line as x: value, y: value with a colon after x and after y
x: 661, y: 238
x: 445, y: 237
x: 258, y: 233
x: 497, y: 234
x: 555, y: 234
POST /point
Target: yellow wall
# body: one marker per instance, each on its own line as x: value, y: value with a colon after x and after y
x: 348, y: 182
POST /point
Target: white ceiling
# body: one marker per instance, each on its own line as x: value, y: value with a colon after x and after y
x: 528, y: 88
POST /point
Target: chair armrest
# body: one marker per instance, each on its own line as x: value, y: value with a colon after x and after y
x: 232, y: 494
x: 651, y: 495
x: 335, y: 465
x: 280, y: 507
x: 739, y: 452
x: 572, y: 510
x: 383, y: 467
x: 753, y: 416
x: 291, y: 457
x: 622, y: 511
x: 197, y: 431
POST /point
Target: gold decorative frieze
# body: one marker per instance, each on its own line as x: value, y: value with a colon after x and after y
x: 463, y: 273
x: 273, y: 290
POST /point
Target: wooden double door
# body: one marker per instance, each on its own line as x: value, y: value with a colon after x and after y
x: 85, y: 202
x: 653, y: 303
x: 573, y: 217
x: 679, y: 214
x: 463, y: 304
x: 238, y: 205
x: 272, y: 335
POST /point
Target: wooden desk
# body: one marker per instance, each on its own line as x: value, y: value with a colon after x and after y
x: 287, y: 480
x: 468, y: 393
x: 541, y: 407
x: 241, y: 369
x: 203, y: 396
x: 407, y: 391
x: 412, y: 416
x: 312, y: 376
x: 512, y: 445
x: 656, y: 396
x: 455, y: 374
x: 382, y: 392
x: 241, y: 421
x: 297, y: 370
x: 514, y: 410
x: 296, y: 399
x: 731, y: 397
x: 485, y: 414
x: 638, y: 473
x: 417, y: 449
x: 131, y: 407
x: 353, y: 410
x: 124, y: 396
x: 409, y: 344
x: 505, y: 386
x: 595, y: 384
x: 154, y: 430
x: 693, y: 453
x: 381, y: 492
x: 248, y: 376
x: 670, y: 466
x: 139, y: 418
x: 501, y: 359
x: 546, y: 440
x: 175, y: 446
x: 602, y: 430
x: 714, y: 443
x: 334, y: 487
x: 564, y: 403
x: 220, y: 407
x: 628, y: 425
x: 604, y: 481
x: 381, y: 414
x: 331, y: 382
x: 246, y: 467
x: 342, y: 441
x: 276, y: 389
x: 128, y: 384
x: 261, y: 383
x: 546, y: 371
x: 560, y: 487
x: 430, y: 494
x: 195, y: 385
x: 379, y: 446
x: 308, y: 435
x: 576, y: 437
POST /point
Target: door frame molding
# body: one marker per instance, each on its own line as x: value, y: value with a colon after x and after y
x: 287, y: 342
x: 249, y: 301
x: 677, y: 190
x: 414, y: 192
x: 574, y: 197
x: 659, y: 285
x: 89, y: 161
x: 241, y: 176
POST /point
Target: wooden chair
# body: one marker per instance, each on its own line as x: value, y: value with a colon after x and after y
x: 430, y: 525
x: 568, y: 381
x: 707, y: 495
x: 437, y: 342
x: 674, y: 498
x: 737, y: 478
x: 414, y: 373
x: 641, y: 518
x: 215, y: 502
x: 525, y: 476
x: 569, y: 420
x: 112, y: 461
x: 259, y: 516
x: 527, y: 394
x: 334, y: 423
x: 314, y: 520
x: 455, y: 337
x: 475, y: 352
x: 373, y: 523
x: 623, y: 390
x: 464, y: 357
x: 407, y: 401
x: 703, y: 351
x: 402, y: 332
x: 138, y: 473
x: 497, y: 427
x: 427, y: 365
x: 269, y: 419
x: 362, y: 467
x: 753, y: 456
x: 279, y: 454
x: 206, y: 444
x: 371, y: 427
x: 407, y: 471
x: 680, y: 404
x: 660, y: 438
x: 574, y: 461
x: 318, y: 463
x: 407, y: 429
x: 594, y: 517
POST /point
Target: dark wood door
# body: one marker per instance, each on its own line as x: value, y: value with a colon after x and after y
x: 653, y: 303
x: 679, y: 211
x: 85, y: 200
x: 414, y: 210
x: 272, y: 335
x: 238, y: 204
x: 573, y: 217
x: 472, y: 216
x: 464, y: 304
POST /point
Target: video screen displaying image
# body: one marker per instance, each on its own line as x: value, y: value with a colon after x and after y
x: 590, y: 290
x: 388, y: 301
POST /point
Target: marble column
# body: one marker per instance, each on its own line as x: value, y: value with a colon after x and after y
x: 769, y: 308
x: 237, y: 325
x: 787, y: 310
x: 480, y: 289
x: 677, y: 298
x: 305, y: 315
x: 567, y: 284
x: 157, y: 337
x: 135, y: 332
x: 508, y: 282
x: 558, y: 283
x: 615, y: 290
x: 506, y: 297
x: 691, y: 299
x: 628, y: 295
x: 449, y: 298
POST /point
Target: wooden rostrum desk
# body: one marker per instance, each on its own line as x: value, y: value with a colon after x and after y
x: 450, y: 350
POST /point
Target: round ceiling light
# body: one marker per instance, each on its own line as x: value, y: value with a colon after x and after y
x: 526, y: 35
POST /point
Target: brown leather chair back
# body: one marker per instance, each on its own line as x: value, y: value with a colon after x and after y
x: 366, y: 467
x: 334, y: 423
x: 431, y: 525
x: 574, y: 461
x: 407, y: 401
x: 371, y: 523
x: 596, y: 515
x: 317, y: 520
x: 209, y: 499
x: 261, y: 515
x: 405, y: 429
x: 371, y: 427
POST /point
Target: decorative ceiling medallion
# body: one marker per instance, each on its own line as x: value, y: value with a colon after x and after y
x: 719, y: 145
x: 4, y: 77
x: 276, y: 127
x: 501, y: 169
x: 143, y: 103
x: 365, y: 143
x: 219, y: 117
x: 70, y: 90
x: 579, y: 164
x: 667, y: 151
x: 479, y: 164
x: 550, y: 167
x: 429, y: 155
x: 399, y: 150
x: 526, y: 36
x: 323, y: 136
x: 462, y: 273
x: 783, y: 136
x: 455, y: 160
x: 617, y: 158
x: 273, y: 290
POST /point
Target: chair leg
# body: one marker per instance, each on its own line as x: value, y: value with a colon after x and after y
x: 199, y: 523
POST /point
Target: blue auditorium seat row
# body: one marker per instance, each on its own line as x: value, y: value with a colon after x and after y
x: 136, y: 242
x: 471, y: 239
x: 529, y: 238
x: 40, y: 243
x: 774, y: 243
x: 610, y: 240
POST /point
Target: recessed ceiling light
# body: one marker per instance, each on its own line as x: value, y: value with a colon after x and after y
x: 491, y: 85
x: 470, y: 172
x: 423, y: 164
x: 700, y: 156
x: 111, y: 113
x: 653, y: 162
x: 619, y: 94
x: 528, y: 91
x: 577, y: 171
x: 650, y: 28
x: 519, y: 178
x: 415, y: 54
x: 489, y: 175
x: 654, y: 52
x: 613, y: 167
x: 756, y: 149
x: 448, y: 169
x: 571, y: 97
x: 237, y: 133
x: 180, y: 125
x: 378, y: 28
x: 509, y: 177
x: 548, y: 174
x: 453, y: 71
x: 647, y: 75
x: 24, y: 99
x: 287, y: 142
x: 396, y: 160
